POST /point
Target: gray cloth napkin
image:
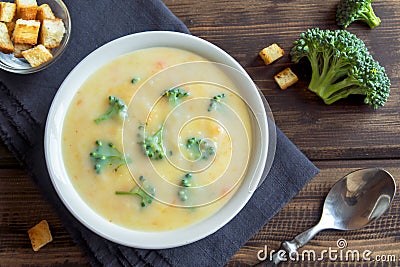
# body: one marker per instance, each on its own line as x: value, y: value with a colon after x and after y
x: 25, y: 101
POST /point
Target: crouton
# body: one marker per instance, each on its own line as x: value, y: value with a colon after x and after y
x: 271, y: 53
x: 26, y: 32
x: 44, y: 12
x: 26, y: 9
x: 51, y: 33
x: 6, y: 46
x: 285, y: 78
x: 40, y: 235
x: 37, y: 56
x: 7, y: 11
x: 18, y: 48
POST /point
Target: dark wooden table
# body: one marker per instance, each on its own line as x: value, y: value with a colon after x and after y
x: 338, y: 138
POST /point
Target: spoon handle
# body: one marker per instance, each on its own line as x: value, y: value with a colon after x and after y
x: 303, y: 238
x: 288, y: 249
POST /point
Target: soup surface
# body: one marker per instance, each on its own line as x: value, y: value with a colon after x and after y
x: 202, y: 147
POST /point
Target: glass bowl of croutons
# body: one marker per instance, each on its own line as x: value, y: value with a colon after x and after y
x: 33, y: 34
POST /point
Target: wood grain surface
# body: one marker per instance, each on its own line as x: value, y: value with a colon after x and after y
x: 338, y: 138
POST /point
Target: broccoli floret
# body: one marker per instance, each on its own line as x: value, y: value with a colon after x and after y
x: 116, y: 107
x: 215, y: 102
x: 185, y: 183
x: 341, y: 65
x: 199, y: 148
x: 175, y: 95
x: 145, y: 196
x: 349, y: 11
x: 106, y: 155
x: 152, y: 145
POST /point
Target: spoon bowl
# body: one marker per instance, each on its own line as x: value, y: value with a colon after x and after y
x: 354, y: 201
x: 358, y: 198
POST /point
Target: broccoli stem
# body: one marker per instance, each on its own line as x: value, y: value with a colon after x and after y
x: 342, y: 89
x: 105, y: 116
x: 369, y: 16
x: 315, y: 76
x: 145, y: 196
x: 157, y: 134
x: 325, y: 74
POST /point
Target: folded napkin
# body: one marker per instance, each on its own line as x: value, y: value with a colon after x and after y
x: 25, y: 101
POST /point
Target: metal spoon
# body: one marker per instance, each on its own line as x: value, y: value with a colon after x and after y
x: 354, y: 201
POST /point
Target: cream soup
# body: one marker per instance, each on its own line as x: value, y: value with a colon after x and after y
x: 122, y: 78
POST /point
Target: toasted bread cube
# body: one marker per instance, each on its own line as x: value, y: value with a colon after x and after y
x: 285, y: 78
x: 26, y: 31
x: 44, y: 12
x: 6, y: 46
x: 18, y: 48
x: 7, y: 11
x: 51, y: 33
x: 37, y: 56
x: 40, y: 235
x: 271, y: 53
x: 26, y: 9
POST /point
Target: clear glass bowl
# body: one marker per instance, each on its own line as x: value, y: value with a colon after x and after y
x: 19, y: 65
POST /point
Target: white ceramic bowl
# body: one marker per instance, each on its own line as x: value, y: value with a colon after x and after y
x: 63, y: 185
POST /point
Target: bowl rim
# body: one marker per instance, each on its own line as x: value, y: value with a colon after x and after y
x: 60, y: 50
x: 53, y: 151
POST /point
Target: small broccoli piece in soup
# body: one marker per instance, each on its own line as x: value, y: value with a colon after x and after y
x: 175, y: 95
x: 147, y: 195
x: 215, y: 102
x: 185, y: 183
x: 152, y: 145
x: 200, y: 148
x: 115, y: 107
x: 106, y: 155
x: 135, y: 80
